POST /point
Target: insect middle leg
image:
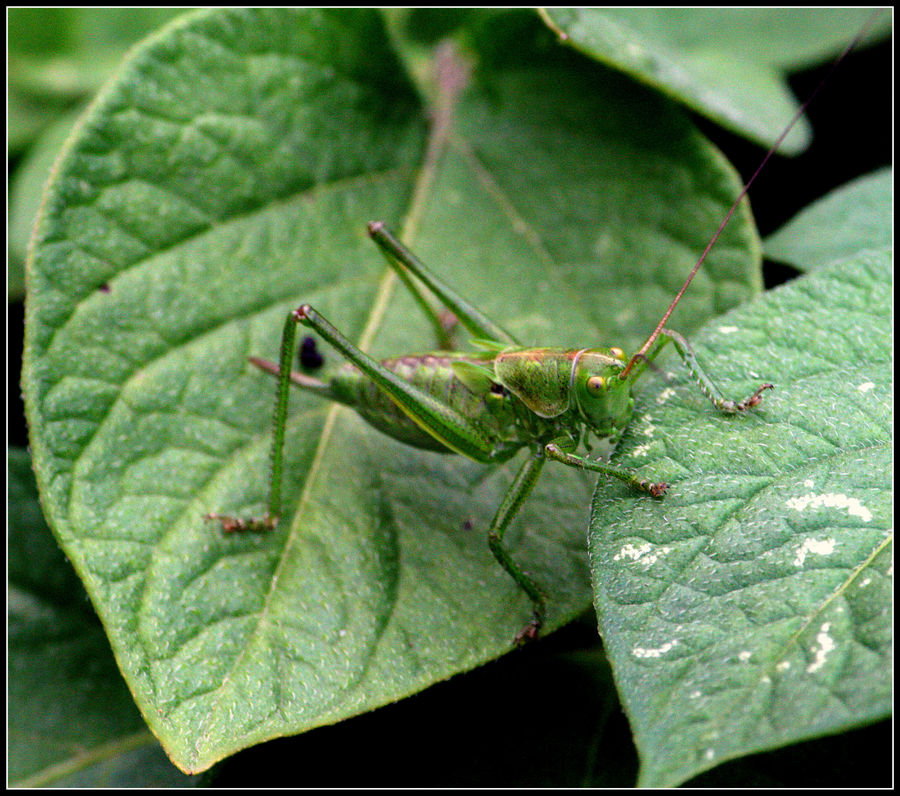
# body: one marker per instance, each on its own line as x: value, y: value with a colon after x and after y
x: 563, y: 450
x: 518, y: 491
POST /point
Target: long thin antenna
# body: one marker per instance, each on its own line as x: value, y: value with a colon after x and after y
x: 656, y: 332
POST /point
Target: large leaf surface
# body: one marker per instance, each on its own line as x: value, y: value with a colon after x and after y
x: 751, y: 607
x: 226, y: 176
x: 728, y: 64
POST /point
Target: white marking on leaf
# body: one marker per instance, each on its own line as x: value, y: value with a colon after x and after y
x: 634, y: 552
x: 647, y: 427
x: 641, y: 553
x: 665, y: 395
x: 824, y: 644
x: 728, y: 329
x: 654, y: 652
x: 641, y: 450
x: 832, y: 500
x: 822, y: 547
x: 866, y: 386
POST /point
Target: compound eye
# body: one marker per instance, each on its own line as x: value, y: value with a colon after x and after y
x: 596, y: 385
x: 617, y: 353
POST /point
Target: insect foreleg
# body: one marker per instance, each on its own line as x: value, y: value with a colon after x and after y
x: 709, y: 389
x: 561, y: 450
x: 516, y: 494
x: 404, y: 262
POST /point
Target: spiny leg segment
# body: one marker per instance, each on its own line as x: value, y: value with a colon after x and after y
x: 512, y: 501
x: 404, y: 262
x: 707, y: 386
x: 563, y: 450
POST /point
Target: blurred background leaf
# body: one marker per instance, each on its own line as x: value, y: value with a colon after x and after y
x: 71, y: 719
x: 728, y: 64
x: 853, y: 217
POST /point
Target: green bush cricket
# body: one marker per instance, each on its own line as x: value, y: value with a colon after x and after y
x: 490, y: 403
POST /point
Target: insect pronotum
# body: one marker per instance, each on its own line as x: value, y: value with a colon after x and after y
x: 489, y: 404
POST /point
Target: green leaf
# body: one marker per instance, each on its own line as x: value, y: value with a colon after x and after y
x: 72, y: 721
x: 751, y: 607
x: 728, y: 64
x: 26, y: 119
x: 548, y: 714
x: 69, y: 51
x: 60, y: 56
x: 25, y: 191
x: 855, y: 216
x: 226, y: 176
x: 35, y: 562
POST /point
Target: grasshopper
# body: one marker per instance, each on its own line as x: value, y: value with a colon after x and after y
x: 486, y: 405
x: 490, y: 403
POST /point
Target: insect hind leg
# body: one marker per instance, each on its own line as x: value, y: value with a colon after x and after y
x: 407, y: 265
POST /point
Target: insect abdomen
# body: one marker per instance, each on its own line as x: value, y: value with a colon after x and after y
x: 432, y: 374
